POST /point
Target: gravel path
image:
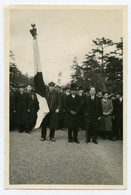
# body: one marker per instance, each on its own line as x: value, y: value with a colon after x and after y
x: 60, y: 162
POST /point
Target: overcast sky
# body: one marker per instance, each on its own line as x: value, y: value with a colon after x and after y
x: 62, y: 35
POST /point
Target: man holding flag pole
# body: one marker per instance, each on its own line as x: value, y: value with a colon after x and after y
x: 45, y: 117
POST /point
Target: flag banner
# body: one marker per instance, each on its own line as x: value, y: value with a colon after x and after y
x: 40, y: 88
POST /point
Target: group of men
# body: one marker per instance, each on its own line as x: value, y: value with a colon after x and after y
x: 23, y: 107
x: 70, y: 108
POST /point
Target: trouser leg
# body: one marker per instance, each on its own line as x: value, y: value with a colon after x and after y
x: 44, y: 125
x: 21, y: 128
x: 87, y: 127
x: 110, y: 135
x: 52, y: 133
x: 90, y: 127
x: 70, y: 134
x: 75, y: 134
x: 104, y: 135
x: 94, y: 131
x: 28, y: 127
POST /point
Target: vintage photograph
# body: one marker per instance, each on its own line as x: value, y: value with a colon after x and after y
x: 65, y: 88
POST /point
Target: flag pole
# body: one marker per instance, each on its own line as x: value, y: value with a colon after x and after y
x: 40, y: 88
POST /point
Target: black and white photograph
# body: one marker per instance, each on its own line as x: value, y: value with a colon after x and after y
x: 66, y: 96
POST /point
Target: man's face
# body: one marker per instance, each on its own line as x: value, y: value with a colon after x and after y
x: 68, y: 92
x: 113, y: 98
x: 117, y: 95
x: 13, y: 88
x: 73, y: 92
x: 106, y: 96
x: 57, y: 89
x: 51, y: 88
x: 92, y: 91
x: 100, y: 94
x: 81, y: 91
x: 21, y: 89
x: 61, y: 90
x: 29, y: 88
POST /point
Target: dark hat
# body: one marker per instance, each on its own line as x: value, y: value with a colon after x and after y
x: 113, y: 95
x: 21, y: 85
x: 51, y: 84
x: 80, y: 88
x: 119, y: 92
x: 74, y: 86
x: 29, y: 84
x: 57, y: 86
x: 12, y: 85
x: 86, y: 90
x: 67, y: 87
x: 104, y: 92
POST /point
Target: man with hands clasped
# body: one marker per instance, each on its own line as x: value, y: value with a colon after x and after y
x: 93, y: 112
x: 72, y: 118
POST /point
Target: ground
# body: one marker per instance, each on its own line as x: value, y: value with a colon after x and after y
x: 35, y: 162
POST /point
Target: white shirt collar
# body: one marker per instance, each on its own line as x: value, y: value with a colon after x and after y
x: 73, y: 95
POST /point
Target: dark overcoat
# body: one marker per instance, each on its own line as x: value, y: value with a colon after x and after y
x: 22, y: 106
x: 63, y: 108
x: 82, y: 119
x: 72, y: 104
x: 92, y: 116
x: 118, y: 113
x: 12, y: 107
x: 34, y: 106
x: 55, y: 104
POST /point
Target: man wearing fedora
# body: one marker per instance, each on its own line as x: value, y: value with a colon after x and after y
x: 51, y: 120
x: 82, y: 96
x: 63, y: 106
x: 72, y: 118
x: 12, y: 103
x: 34, y: 106
x: 22, y: 108
x: 118, y: 116
x: 93, y: 112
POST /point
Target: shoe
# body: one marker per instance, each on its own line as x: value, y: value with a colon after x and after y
x: 111, y: 139
x: 95, y: 142
x: 42, y: 139
x: 53, y: 139
x: 28, y: 132
x: 76, y: 141
x: 21, y: 131
x: 70, y: 141
x: 87, y: 141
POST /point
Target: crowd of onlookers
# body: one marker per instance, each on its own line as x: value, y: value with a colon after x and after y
x: 100, y: 113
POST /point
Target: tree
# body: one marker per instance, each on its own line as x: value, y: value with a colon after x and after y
x: 91, y: 71
x: 101, y: 68
x: 101, y: 54
x: 16, y: 75
x: 114, y: 68
x: 77, y: 75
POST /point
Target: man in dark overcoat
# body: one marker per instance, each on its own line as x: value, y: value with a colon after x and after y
x: 82, y: 98
x: 63, y: 106
x: 22, y: 107
x: 72, y: 118
x: 115, y: 135
x: 93, y: 112
x: 51, y: 120
x: 34, y: 106
x: 12, y: 103
x: 118, y: 114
